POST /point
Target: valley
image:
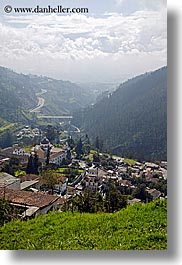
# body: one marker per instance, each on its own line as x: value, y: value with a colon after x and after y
x: 67, y: 151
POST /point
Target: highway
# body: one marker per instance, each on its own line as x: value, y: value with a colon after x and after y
x: 41, y: 101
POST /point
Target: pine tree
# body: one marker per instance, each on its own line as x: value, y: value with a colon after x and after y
x: 48, y: 156
x: 87, y: 145
x: 79, y: 148
x: 29, y: 168
x: 35, y: 164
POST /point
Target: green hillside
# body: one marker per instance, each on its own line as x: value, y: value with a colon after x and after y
x: 16, y: 94
x: 19, y: 92
x: 138, y: 227
x: 132, y: 121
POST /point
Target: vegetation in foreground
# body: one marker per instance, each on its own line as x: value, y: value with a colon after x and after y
x: 138, y: 227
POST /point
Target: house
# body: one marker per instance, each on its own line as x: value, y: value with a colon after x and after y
x: 29, y: 181
x: 19, y: 151
x: 6, y: 152
x: 3, y: 162
x: 32, y: 203
x: 91, y: 182
x: 9, y: 181
x: 71, y: 191
x: 14, y: 151
x: 151, y: 165
x: 93, y: 171
x: 163, y: 164
x: 56, y: 155
x: 61, y: 185
x: 124, y: 182
x: 135, y: 200
x: 154, y: 194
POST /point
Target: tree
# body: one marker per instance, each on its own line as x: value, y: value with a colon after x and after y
x: 70, y: 142
x: 33, y: 164
x: 87, y: 145
x: 47, y: 156
x: 4, y: 210
x: 36, y: 164
x: 92, y: 201
x: 96, y: 158
x: 117, y: 201
x: 79, y: 149
x: 114, y: 199
x: 7, y: 139
x: 29, y: 168
x: 68, y: 155
x: 98, y: 144
x: 140, y: 192
x: 7, y: 212
x: 50, y: 179
x: 12, y: 165
x: 51, y: 133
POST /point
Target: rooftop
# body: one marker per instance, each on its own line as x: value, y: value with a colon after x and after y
x: 28, y: 198
x: 27, y: 184
x: 7, y: 179
x: 28, y: 177
x: 45, y: 141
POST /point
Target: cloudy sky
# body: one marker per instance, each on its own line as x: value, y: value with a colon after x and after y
x: 116, y: 40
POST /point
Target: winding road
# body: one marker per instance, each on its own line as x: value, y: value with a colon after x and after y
x: 41, y: 101
x: 40, y: 104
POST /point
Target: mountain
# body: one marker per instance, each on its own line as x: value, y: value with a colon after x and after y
x: 64, y: 97
x: 16, y: 94
x: 132, y: 121
x: 20, y: 93
x: 99, y: 90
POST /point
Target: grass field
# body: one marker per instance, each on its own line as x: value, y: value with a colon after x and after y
x: 138, y: 227
x: 130, y: 162
x: 7, y: 126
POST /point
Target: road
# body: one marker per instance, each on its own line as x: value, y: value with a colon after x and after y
x: 43, y: 91
x: 40, y: 104
x: 41, y: 101
x: 77, y: 129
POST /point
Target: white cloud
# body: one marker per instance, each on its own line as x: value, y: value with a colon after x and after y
x: 79, y: 47
x: 135, y: 5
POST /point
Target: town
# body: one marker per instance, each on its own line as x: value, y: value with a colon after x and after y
x: 72, y: 176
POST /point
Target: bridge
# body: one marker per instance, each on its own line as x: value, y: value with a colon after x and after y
x: 54, y: 117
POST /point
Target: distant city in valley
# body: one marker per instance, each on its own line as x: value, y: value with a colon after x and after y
x: 68, y: 148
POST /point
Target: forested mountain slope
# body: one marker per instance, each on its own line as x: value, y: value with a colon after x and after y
x: 17, y: 93
x: 131, y: 122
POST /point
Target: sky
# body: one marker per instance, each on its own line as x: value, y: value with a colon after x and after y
x: 116, y: 40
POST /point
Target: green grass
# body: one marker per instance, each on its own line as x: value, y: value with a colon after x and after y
x: 130, y: 162
x: 28, y: 148
x: 138, y: 227
x: 61, y: 170
x: 65, y: 169
x: 7, y: 126
x: 19, y: 173
x: 90, y: 156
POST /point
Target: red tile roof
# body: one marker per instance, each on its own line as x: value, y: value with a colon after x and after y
x: 55, y: 155
x: 28, y: 198
x: 28, y: 177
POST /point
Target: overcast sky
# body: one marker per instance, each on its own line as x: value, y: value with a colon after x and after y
x: 116, y: 40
